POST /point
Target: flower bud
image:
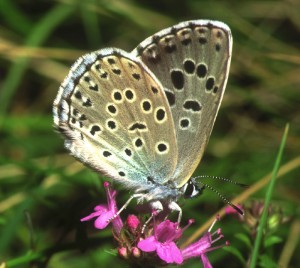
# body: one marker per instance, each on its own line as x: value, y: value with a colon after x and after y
x: 133, y: 223
x: 123, y: 253
x: 136, y: 252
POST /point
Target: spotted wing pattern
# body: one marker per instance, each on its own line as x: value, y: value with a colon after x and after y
x: 115, y: 117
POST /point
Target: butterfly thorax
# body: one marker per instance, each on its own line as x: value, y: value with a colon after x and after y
x: 154, y: 191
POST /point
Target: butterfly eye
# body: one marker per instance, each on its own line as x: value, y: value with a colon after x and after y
x: 192, y: 189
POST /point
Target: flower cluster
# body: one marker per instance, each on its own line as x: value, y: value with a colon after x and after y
x: 157, y: 242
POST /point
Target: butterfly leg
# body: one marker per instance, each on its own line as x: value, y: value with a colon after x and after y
x: 147, y: 222
x: 173, y: 206
x: 157, y: 207
x: 125, y: 205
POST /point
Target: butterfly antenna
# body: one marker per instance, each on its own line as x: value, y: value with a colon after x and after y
x: 225, y: 200
x: 222, y: 179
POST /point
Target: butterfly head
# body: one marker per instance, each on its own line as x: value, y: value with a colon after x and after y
x: 192, y: 189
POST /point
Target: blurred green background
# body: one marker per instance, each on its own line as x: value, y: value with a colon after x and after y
x: 44, y: 192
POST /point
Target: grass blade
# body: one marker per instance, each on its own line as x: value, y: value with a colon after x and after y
x: 253, y: 261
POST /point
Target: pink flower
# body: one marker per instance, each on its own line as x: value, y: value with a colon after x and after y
x: 163, y: 242
x: 106, y: 213
x: 203, y: 245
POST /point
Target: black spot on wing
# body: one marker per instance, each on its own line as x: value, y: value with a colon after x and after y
x: 170, y: 97
x: 83, y: 117
x: 128, y: 152
x: 184, y: 123
x: 202, y: 40
x: 189, y: 66
x: 94, y: 88
x: 95, y: 129
x: 170, y: 48
x: 104, y: 75
x: 112, y: 109
x: 160, y: 114
x: 136, y: 76
x: 87, y: 103
x: 129, y: 94
x: 116, y: 71
x: 192, y: 105
x: 111, y: 61
x: 162, y: 147
x: 117, y: 96
x: 78, y: 95
x: 154, y: 89
x: 111, y: 124
x: 201, y: 70
x: 177, y: 79
x: 122, y: 174
x: 210, y: 83
x: 137, y: 126
x: 106, y: 154
x: 146, y: 106
x: 138, y: 143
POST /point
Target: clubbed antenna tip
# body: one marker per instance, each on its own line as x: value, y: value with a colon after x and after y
x: 241, y: 212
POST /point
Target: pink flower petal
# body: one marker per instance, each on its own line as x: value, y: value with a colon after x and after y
x: 103, y: 220
x: 164, y: 227
x: 176, y: 254
x: 148, y: 245
x: 197, y: 248
x: 101, y: 208
x: 98, y: 211
x: 169, y: 253
x: 92, y: 215
x: 164, y: 253
x: 105, y: 214
x: 167, y: 231
x: 205, y: 261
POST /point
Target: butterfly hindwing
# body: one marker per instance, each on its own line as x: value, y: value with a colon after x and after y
x: 116, y: 118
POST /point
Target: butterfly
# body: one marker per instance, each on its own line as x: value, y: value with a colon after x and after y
x: 144, y: 118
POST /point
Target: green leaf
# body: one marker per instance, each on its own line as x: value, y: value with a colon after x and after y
x: 266, y: 262
x: 272, y: 240
x: 244, y: 238
x: 237, y: 254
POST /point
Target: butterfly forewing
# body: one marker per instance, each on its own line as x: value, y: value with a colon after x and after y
x: 191, y: 60
x: 116, y: 118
